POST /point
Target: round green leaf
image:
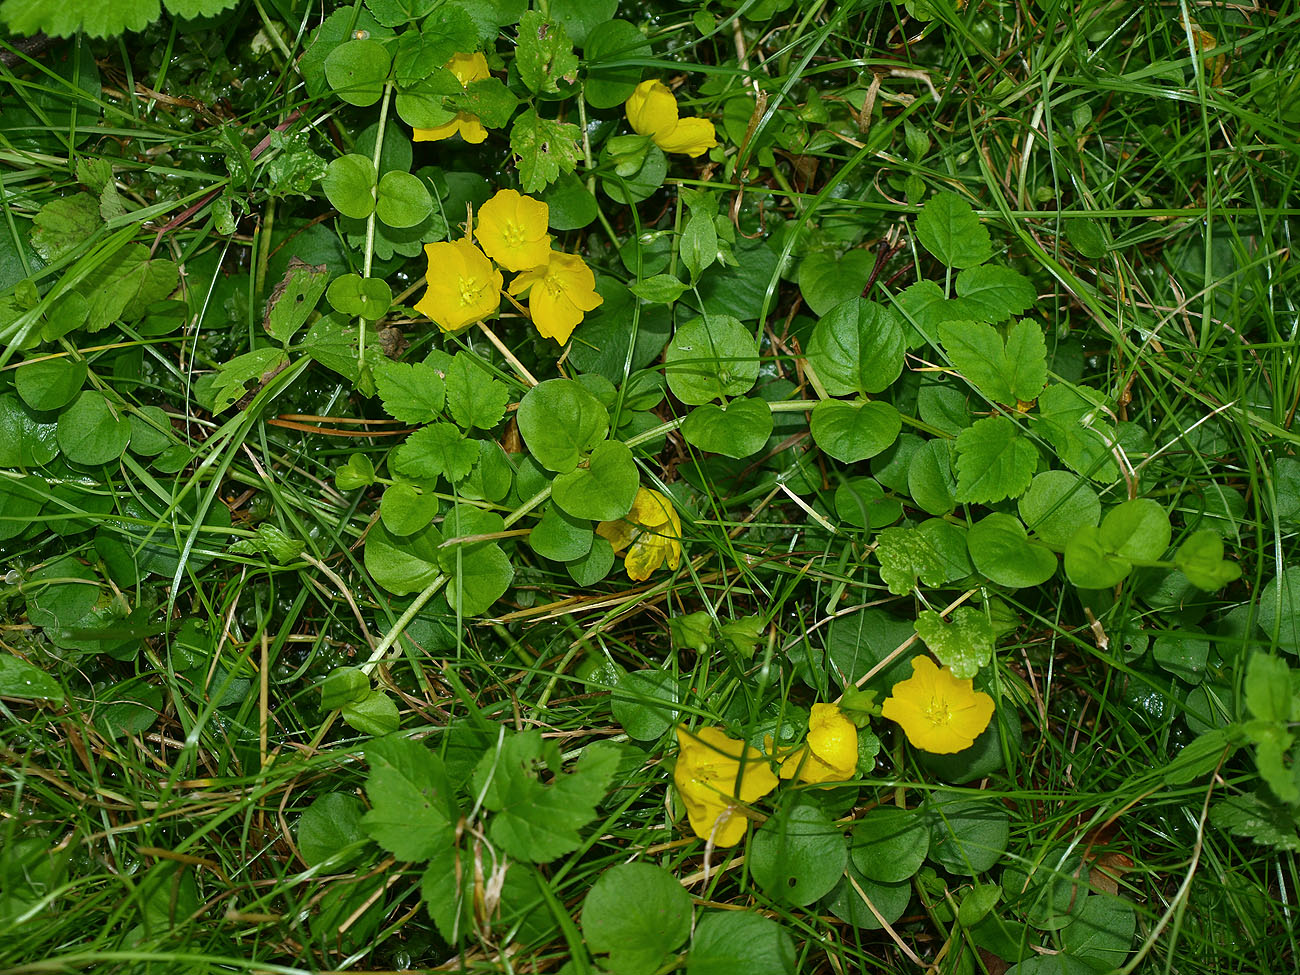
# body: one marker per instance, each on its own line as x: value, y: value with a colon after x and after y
x: 481, y: 576
x: 1056, y: 504
x: 21, y: 499
x: 602, y: 491
x: 711, y: 358
x: 1279, y: 610
x: 91, y: 432
x: 404, y: 510
x: 403, y: 199
x: 857, y: 347
x: 349, y: 185
x: 985, y: 755
x: 1058, y: 964
x: 1138, y: 530
x: 798, y: 855
x: 890, y: 844
x: 950, y: 230
x: 609, y: 48
x: 358, y: 297
x: 728, y: 942
x: 69, y: 595
x: 357, y: 69
x: 1101, y: 932
x: 850, y: 432
x: 638, y: 913
x: 642, y: 182
x: 49, y: 384
x: 570, y: 204
x: 846, y: 901
x: 560, y: 536
x: 595, y: 565
x: 330, y: 824
x: 930, y: 479
x: 826, y: 282
x: 967, y: 835
x: 560, y: 421
x: 150, y: 431
x: 641, y: 703
x: 739, y: 429
x: 1088, y: 565
x: 1002, y: 551
x: 861, y: 502
x: 402, y: 565
x: 26, y: 439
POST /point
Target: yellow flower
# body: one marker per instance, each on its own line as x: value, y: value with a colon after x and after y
x: 651, y: 533
x: 467, y: 68
x: 831, y: 754
x: 692, y: 136
x: 652, y: 111
x: 938, y: 712
x: 464, y: 287
x: 512, y: 231
x: 716, y: 777
x: 563, y: 290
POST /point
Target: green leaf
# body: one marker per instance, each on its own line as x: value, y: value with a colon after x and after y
x: 438, y: 449
x: 711, y: 358
x: 560, y: 536
x: 21, y: 500
x: 1264, y: 822
x: 662, y: 289
x: 1279, y: 610
x: 1101, y: 933
x: 861, y: 502
x: 474, y: 398
x: 1089, y: 565
x: 977, y: 903
x: 537, y: 822
x: 344, y: 685
x: 964, y: 646
x: 357, y: 69
x: 857, y: 347
x: 826, y: 282
x: 594, y: 566
x: 544, y: 149
x: 581, y: 17
x: 228, y: 384
x: 294, y: 299
x: 1001, y: 550
x: 405, y: 509
x: 1026, y: 360
x: 1137, y: 530
x: 107, y: 19
x: 993, y: 461
x: 798, y: 855
x: 728, y: 942
x: 271, y: 541
x: 189, y: 9
x: 992, y: 293
x: 1004, y: 372
x: 91, y: 431
x: 60, y: 594
x: 349, y: 185
x: 602, y: 491
x: 967, y: 835
x: 124, y: 286
x: 26, y: 682
x: 25, y: 439
x: 356, y: 473
x: 1056, y: 504
x: 412, y: 803
x: 930, y: 480
x: 64, y: 224
x: 544, y: 55
x: 330, y: 825
x: 739, y: 429
x: 867, y: 904
x: 890, y: 844
x: 411, y: 392
x: 643, y: 703
x: 609, y: 53
x: 1269, y: 692
x: 699, y: 244
x: 561, y: 422
x: 376, y: 714
x: 949, y: 229
x: 402, y: 565
x: 851, y: 432
x: 358, y: 297
x: 1200, y: 558
x: 403, y: 201
x: 50, y: 384
x: 933, y: 552
x: 395, y: 13
x: 333, y: 343
x: 570, y: 204
x: 638, y: 913
x: 1068, y: 419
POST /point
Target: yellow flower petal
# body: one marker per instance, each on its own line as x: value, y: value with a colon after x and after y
x: 652, y: 109
x: 560, y: 293
x: 716, y: 777
x: 464, y: 287
x: 938, y: 712
x: 467, y: 68
x: 692, y: 136
x: 512, y: 231
x: 651, y: 533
